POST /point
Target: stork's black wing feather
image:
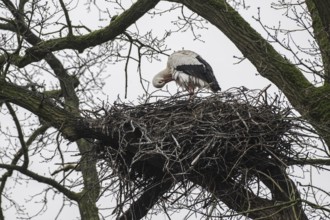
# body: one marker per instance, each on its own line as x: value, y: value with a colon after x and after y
x: 209, y: 75
x: 193, y: 70
x: 203, y: 71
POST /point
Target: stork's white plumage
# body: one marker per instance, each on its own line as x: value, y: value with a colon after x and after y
x: 189, y: 70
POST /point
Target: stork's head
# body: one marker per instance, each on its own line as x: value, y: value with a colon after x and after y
x: 162, y: 78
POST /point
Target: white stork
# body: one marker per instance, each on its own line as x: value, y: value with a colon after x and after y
x: 189, y: 70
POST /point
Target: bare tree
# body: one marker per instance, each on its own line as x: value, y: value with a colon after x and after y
x: 225, y: 156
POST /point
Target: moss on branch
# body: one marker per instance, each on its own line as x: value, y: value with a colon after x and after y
x: 321, y: 21
x: 41, y: 106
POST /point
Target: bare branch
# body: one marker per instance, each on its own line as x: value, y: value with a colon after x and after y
x: 20, y: 136
x: 80, y: 43
x: 15, y: 160
x: 67, y: 18
x: 42, y: 179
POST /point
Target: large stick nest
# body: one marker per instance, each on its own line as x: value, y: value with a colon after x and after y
x: 222, y: 134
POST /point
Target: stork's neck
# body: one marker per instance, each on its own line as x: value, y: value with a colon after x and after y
x: 166, y: 74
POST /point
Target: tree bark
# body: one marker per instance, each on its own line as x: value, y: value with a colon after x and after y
x: 91, y: 191
x: 319, y: 11
x: 323, y: 11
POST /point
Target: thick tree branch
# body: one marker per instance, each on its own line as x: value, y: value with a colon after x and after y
x: 242, y: 200
x: 320, y: 162
x: 12, y: 9
x: 321, y: 27
x: 73, y: 127
x: 91, y: 191
x: 147, y: 200
x: 80, y: 43
x: 21, y: 5
x: 283, y: 190
x: 323, y: 11
x: 39, y: 105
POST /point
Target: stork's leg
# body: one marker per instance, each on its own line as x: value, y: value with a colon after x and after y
x: 191, y: 91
